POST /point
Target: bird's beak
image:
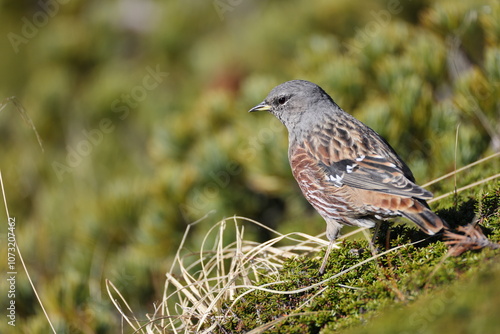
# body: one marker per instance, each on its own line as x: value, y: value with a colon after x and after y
x: 261, y: 107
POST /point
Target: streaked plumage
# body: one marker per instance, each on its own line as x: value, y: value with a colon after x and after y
x: 348, y: 173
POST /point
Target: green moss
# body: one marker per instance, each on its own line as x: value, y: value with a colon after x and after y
x: 468, y: 304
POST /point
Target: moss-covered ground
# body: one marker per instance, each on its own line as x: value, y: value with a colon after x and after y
x: 417, y: 288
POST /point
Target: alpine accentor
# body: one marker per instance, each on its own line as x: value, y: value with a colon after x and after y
x: 348, y: 172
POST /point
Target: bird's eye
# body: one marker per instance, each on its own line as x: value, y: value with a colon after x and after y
x: 282, y: 100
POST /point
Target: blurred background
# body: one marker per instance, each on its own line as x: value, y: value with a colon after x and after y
x: 141, y: 107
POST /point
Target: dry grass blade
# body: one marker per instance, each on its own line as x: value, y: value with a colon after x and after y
x: 24, y: 115
x: 488, y: 179
x: 462, y: 169
x: 110, y: 286
x: 18, y: 250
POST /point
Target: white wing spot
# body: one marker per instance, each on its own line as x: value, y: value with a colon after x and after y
x: 350, y: 168
x: 360, y: 158
x: 337, y: 180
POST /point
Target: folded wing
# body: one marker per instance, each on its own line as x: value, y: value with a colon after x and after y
x: 375, y: 173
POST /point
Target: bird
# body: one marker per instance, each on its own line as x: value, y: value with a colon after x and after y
x: 345, y: 170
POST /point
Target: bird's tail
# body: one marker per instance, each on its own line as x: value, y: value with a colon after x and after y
x: 427, y: 220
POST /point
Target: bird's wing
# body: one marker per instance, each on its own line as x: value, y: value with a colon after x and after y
x: 375, y: 173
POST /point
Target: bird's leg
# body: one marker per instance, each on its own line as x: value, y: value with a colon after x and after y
x: 325, y: 258
x: 375, y: 232
x: 332, y: 232
x: 373, y: 239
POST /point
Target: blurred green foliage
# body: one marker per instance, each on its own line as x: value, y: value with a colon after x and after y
x: 141, y: 106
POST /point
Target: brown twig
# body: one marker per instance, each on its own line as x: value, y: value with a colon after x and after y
x: 468, y: 237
